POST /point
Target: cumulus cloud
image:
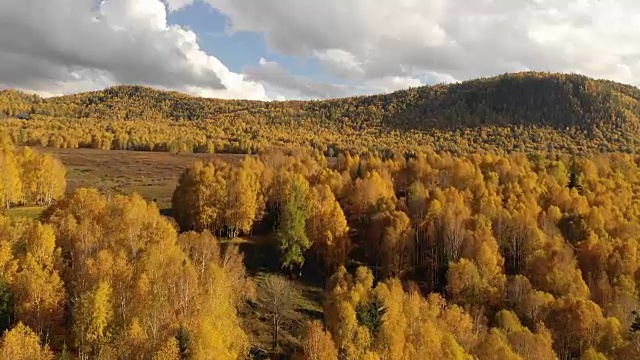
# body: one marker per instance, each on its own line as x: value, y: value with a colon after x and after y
x: 372, y: 46
x: 391, y: 83
x: 175, y: 5
x: 456, y: 39
x: 77, y: 45
x: 279, y: 82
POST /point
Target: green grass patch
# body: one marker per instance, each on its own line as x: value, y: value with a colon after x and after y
x: 30, y: 212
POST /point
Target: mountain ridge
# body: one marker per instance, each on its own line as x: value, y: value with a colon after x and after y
x: 516, y: 111
x: 527, y: 98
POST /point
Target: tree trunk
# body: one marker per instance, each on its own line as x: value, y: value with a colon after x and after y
x: 275, y: 334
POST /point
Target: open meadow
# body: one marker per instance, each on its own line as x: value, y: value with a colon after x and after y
x: 153, y: 175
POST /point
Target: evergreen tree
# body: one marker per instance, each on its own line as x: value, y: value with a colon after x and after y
x: 183, y: 342
x: 64, y: 353
x: 6, y: 307
x: 292, y: 236
x: 574, y: 181
x: 635, y: 326
x: 370, y: 314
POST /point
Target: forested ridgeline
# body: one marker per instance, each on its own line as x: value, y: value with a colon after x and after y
x: 521, y: 112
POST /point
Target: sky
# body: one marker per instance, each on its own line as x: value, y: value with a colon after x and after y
x: 307, y: 49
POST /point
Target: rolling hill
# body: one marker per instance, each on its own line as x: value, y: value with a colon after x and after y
x: 573, y: 106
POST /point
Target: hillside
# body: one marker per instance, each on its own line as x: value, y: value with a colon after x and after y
x: 573, y: 107
x: 290, y: 255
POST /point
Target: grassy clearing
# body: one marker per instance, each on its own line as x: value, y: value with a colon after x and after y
x: 30, y: 212
x: 153, y: 175
x: 261, y: 258
x: 259, y: 326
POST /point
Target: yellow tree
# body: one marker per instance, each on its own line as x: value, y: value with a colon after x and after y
x: 38, y: 289
x: 30, y: 173
x: 10, y: 184
x: 365, y: 192
x: 21, y: 343
x: 209, y: 305
x: 317, y: 344
x: 243, y: 200
x: 525, y: 343
x: 495, y: 346
x: 42, y: 176
x: 168, y: 351
x: 455, y: 214
x: 53, y: 183
x: 199, y: 197
x: 464, y: 283
x: 576, y: 325
x: 216, y: 333
x: 592, y: 354
x: 388, y: 238
x: 344, y: 293
x: 327, y: 228
x: 92, y: 318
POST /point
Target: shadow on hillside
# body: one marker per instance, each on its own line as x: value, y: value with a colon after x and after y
x: 168, y: 212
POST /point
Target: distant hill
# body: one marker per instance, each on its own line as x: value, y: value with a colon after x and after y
x: 565, y: 102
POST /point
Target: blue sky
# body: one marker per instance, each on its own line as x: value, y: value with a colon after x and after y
x: 236, y: 50
x: 307, y: 49
x: 240, y: 50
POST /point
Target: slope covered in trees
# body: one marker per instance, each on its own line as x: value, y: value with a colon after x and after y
x: 554, y: 100
x: 492, y: 256
x: 527, y: 249
x: 439, y: 256
x: 512, y: 111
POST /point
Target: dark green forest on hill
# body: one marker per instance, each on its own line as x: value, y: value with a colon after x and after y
x: 524, y: 111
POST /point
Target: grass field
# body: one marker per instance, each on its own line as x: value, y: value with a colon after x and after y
x: 31, y: 212
x: 154, y: 175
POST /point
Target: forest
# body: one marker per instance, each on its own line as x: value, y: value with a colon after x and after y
x: 541, y: 112
x: 424, y: 250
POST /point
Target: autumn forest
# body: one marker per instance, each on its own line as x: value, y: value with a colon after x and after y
x: 491, y: 219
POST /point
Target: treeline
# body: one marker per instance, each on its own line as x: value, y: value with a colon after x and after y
x: 245, y: 135
x: 526, y: 253
x: 514, y: 112
x: 528, y: 98
x: 28, y: 177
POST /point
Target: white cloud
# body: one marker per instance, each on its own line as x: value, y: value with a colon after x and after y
x: 341, y: 62
x: 392, y: 83
x: 73, y: 45
x: 63, y: 46
x: 175, y: 5
x: 279, y: 83
x: 461, y: 39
